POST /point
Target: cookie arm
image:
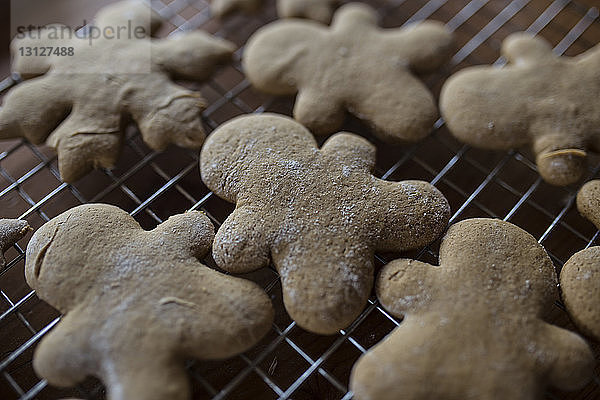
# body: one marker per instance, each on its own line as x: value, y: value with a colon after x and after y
x: 166, y: 113
x: 33, y: 109
x: 135, y: 13
x: 62, y: 357
x: 190, y: 234
x: 353, y: 16
x: 588, y: 201
x: 524, y: 48
x: 570, y: 363
x: 410, y: 214
x: 351, y: 150
x: 11, y: 231
x: 424, y: 47
x: 192, y: 56
x: 406, y: 285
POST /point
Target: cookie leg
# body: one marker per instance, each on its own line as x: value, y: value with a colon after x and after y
x: 325, y: 296
x: 318, y: 111
x: 79, y: 152
x: 146, y: 376
x: 241, y: 245
x: 561, y: 159
x: 406, y: 284
x: 33, y: 109
x: 402, y: 111
x: 177, y: 120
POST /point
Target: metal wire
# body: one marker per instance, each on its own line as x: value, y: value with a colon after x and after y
x: 290, y: 363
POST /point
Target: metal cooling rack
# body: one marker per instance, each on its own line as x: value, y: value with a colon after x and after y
x: 291, y: 363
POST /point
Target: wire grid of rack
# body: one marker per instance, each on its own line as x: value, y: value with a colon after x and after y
x: 290, y: 363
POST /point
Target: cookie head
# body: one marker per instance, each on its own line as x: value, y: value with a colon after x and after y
x: 317, y: 214
x: 316, y: 62
x: 482, y: 306
x: 137, y: 303
x: 49, y: 266
x: 498, y: 249
x: 538, y: 100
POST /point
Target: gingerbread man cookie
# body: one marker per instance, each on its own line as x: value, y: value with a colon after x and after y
x: 351, y: 66
x: 580, y: 276
x: 137, y: 303
x: 78, y: 102
x: 11, y: 231
x: 317, y: 214
x: 538, y: 99
x: 473, y: 326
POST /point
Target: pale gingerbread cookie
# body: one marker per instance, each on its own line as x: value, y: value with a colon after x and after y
x: 580, y: 276
x: 318, y: 10
x: 137, y: 303
x: 317, y: 214
x: 78, y: 102
x: 538, y: 99
x: 472, y: 328
x: 352, y: 66
x: 11, y: 231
